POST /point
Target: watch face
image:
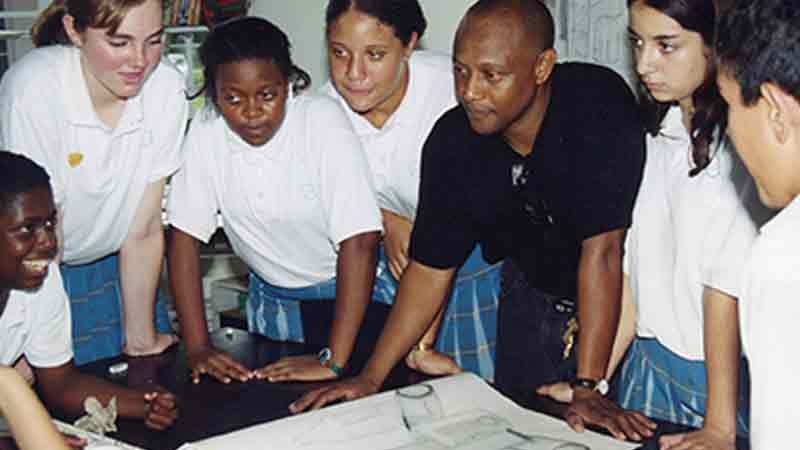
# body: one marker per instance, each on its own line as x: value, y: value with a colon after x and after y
x: 602, y: 387
x: 324, y: 355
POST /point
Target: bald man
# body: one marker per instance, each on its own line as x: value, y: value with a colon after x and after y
x: 540, y: 163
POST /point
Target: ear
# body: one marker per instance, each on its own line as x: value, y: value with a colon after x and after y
x: 69, y: 27
x: 545, y: 63
x: 412, y: 44
x: 783, y: 112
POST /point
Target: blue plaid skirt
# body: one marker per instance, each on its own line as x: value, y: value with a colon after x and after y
x: 663, y: 385
x: 95, y: 297
x: 468, y: 332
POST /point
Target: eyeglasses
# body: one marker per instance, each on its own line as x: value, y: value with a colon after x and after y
x: 535, y: 206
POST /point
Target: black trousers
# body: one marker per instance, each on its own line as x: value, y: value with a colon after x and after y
x: 530, y: 329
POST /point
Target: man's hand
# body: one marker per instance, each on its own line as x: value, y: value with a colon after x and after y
x: 560, y: 392
x: 296, y: 368
x: 218, y: 364
x: 590, y: 408
x: 395, y: 242
x: 162, y: 410
x: 349, y: 389
x: 707, y: 438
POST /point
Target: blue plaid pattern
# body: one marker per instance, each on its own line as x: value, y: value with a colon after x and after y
x: 274, y: 311
x: 95, y: 297
x: 662, y: 385
x: 468, y: 333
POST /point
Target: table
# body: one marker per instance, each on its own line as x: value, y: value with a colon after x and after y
x: 212, y: 408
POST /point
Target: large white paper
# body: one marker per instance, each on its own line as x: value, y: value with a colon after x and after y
x: 475, y: 417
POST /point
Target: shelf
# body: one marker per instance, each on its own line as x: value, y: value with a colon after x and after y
x: 186, y: 29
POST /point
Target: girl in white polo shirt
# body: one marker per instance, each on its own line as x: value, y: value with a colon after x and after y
x: 393, y: 95
x: 291, y: 182
x: 693, y: 225
x: 93, y: 106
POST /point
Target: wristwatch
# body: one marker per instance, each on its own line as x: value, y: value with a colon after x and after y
x: 325, y: 358
x: 600, y: 386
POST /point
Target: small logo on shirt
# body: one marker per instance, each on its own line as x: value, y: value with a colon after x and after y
x: 74, y: 159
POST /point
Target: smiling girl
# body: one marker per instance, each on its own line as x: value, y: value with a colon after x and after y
x: 94, y: 107
x: 291, y: 183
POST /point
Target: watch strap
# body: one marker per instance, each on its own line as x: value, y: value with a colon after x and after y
x: 599, y: 386
x: 325, y: 357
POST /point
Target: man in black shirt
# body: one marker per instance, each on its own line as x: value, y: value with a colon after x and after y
x: 540, y: 164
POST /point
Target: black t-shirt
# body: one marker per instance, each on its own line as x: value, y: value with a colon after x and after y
x: 582, y: 180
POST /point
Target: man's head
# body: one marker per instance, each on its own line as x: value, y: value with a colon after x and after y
x: 503, y: 54
x: 758, y: 51
x: 27, y: 223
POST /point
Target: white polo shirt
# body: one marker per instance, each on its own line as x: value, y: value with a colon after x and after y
x: 286, y: 205
x: 37, y: 324
x: 98, y: 174
x: 687, y: 233
x: 394, y: 151
x: 770, y: 316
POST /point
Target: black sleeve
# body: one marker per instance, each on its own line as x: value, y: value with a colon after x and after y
x: 609, y: 170
x: 444, y: 231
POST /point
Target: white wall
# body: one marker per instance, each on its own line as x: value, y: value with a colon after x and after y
x: 587, y: 30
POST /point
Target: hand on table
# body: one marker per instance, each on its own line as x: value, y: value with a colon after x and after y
x: 296, y: 368
x: 395, y: 242
x: 706, y: 438
x: 431, y: 362
x: 217, y: 364
x: 590, y: 408
x: 162, y: 410
x: 348, y: 389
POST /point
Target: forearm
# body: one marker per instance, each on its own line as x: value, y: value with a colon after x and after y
x: 420, y: 296
x: 183, y: 263
x: 722, y: 358
x: 626, y: 330
x: 140, y: 261
x: 599, y: 290
x: 26, y: 416
x: 355, y: 277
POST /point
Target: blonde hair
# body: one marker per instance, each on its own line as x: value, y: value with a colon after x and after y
x: 49, y: 28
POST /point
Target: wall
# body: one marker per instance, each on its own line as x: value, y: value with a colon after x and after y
x: 587, y: 30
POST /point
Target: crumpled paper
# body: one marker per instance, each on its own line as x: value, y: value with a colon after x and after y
x: 98, y: 419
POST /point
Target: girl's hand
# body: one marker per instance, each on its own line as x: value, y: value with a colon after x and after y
x: 162, y: 410
x: 706, y: 438
x: 296, y: 368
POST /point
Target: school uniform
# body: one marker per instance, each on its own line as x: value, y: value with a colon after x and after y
x: 394, y: 151
x: 285, y: 206
x: 98, y: 174
x: 770, y: 315
x: 36, y: 324
x: 688, y: 233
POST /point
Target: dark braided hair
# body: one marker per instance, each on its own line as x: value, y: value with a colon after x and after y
x: 404, y: 16
x: 248, y: 38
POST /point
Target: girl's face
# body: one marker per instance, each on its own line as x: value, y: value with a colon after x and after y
x: 27, y: 239
x: 251, y: 95
x: 117, y: 65
x: 368, y: 64
x: 671, y: 62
